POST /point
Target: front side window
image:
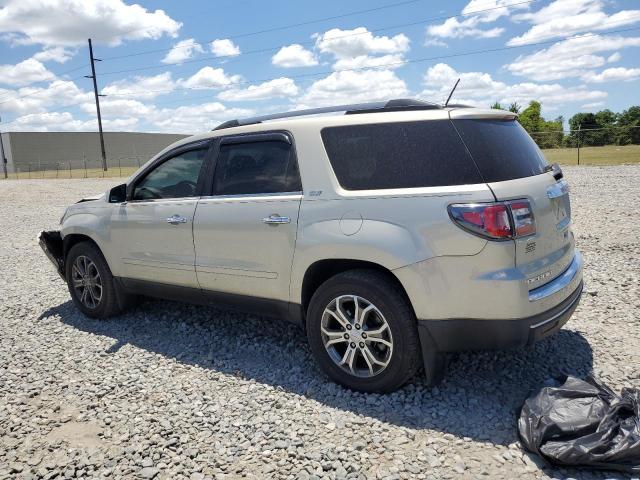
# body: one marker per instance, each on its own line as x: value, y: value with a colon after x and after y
x: 256, y: 167
x: 174, y: 178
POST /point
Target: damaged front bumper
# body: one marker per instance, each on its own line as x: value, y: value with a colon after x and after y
x: 51, y: 244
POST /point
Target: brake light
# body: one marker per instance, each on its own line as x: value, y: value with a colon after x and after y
x: 497, y: 221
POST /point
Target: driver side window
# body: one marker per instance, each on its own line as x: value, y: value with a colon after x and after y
x: 173, y: 178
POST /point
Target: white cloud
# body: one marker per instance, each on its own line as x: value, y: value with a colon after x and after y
x: 71, y: 22
x: 569, y: 58
x: 48, y: 121
x: 454, y: 28
x: 349, y: 87
x: 612, y: 75
x: 593, y: 105
x: 224, y: 48
x: 142, y: 87
x: 277, y: 88
x: 434, y: 42
x: 294, y: 55
x: 562, y: 17
x: 38, y: 99
x: 54, y: 54
x: 183, y: 50
x: 614, y: 57
x: 209, y: 77
x: 359, y: 41
x: 66, y: 122
x: 116, y: 107
x: 366, y: 61
x: 480, y: 89
x: 27, y: 71
x: 474, y: 18
x: 194, y: 118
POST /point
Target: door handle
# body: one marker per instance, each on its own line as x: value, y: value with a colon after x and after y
x: 176, y: 219
x: 276, y: 219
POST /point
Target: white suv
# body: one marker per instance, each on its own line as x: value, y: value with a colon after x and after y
x: 393, y: 233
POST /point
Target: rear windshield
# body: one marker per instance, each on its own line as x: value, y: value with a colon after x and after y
x: 503, y: 150
x: 399, y: 155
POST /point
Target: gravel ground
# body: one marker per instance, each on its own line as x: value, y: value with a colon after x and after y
x: 177, y: 391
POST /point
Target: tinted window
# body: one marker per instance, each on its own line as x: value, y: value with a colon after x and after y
x: 503, y: 150
x: 399, y: 155
x: 174, y: 178
x: 256, y: 167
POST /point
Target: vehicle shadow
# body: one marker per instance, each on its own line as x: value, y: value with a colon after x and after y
x: 479, y: 398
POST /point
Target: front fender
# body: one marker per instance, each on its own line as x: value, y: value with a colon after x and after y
x: 93, y: 225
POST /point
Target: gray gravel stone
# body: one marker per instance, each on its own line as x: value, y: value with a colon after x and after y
x: 171, y: 390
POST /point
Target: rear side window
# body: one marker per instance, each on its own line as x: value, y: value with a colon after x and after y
x: 503, y: 150
x: 256, y: 167
x: 399, y: 155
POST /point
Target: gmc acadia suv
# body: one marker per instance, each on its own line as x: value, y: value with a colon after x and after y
x: 394, y: 233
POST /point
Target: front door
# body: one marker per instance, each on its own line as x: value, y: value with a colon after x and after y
x: 153, y: 231
x: 245, y: 231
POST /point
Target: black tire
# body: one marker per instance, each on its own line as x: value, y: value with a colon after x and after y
x: 111, y: 301
x: 381, y: 291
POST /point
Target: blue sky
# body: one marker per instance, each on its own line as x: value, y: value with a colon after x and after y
x: 187, y: 66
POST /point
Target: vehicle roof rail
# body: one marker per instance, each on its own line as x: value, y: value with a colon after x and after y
x: 397, y: 105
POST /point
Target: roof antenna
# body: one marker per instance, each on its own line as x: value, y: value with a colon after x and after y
x: 452, y: 90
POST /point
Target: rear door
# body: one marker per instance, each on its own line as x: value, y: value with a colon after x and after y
x: 514, y: 168
x: 245, y: 230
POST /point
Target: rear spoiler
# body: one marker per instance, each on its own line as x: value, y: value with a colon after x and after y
x: 481, y: 113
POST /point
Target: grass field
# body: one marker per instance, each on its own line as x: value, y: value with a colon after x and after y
x: 608, y: 155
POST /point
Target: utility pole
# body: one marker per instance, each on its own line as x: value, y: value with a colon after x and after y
x: 3, y: 159
x: 95, y: 92
x: 579, y: 127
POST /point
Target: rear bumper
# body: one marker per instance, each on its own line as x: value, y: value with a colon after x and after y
x: 469, y: 334
x: 51, y: 244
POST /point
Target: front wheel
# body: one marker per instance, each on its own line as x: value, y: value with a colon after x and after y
x: 362, y: 331
x: 90, y: 282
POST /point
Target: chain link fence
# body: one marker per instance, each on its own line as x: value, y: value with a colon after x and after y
x: 76, y: 168
x: 593, y: 146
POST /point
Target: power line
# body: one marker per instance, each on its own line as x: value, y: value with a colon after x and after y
x: 408, y: 61
x: 275, y: 29
x: 263, y: 50
x: 39, y: 81
x: 385, y: 65
x: 431, y: 19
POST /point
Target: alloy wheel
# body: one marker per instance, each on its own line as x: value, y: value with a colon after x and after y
x: 356, y: 336
x: 86, y: 281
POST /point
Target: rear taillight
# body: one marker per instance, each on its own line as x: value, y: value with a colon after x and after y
x: 497, y: 221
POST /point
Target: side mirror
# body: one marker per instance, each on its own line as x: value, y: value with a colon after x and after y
x: 118, y: 194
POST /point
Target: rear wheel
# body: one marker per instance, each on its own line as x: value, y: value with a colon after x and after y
x: 91, y: 283
x: 362, y: 331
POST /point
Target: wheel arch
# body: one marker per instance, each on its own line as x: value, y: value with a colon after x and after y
x: 322, y: 270
x: 73, y: 239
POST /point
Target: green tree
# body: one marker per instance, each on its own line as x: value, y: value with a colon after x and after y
x: 606, y: 120
x: 547, y: 134
x: 496, y: 106
x: 514, y: 107
x: 629, y: 126
x: 582, y: 126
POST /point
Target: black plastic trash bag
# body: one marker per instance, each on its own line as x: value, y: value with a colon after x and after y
x: 583, y: 423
